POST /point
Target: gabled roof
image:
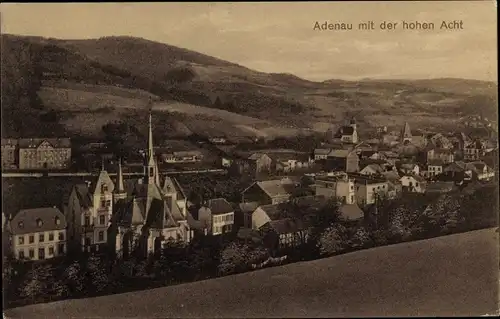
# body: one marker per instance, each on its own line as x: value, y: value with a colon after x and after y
x: 287, y: 225
x: 83, y: 194
x: 351, y: 212
x: 219, y: 206
x: 322, y: 151
x: 339, y: 153
x: 435, y: 162
x: 275, y: 188
x: 375, y: 167
x: 272, y: 210
x: 35, y: 142
x: 256, y: 156
x: 344, y: 130
x: 26, y: 220
x: 248, y: 207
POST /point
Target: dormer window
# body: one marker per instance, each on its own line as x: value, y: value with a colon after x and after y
x: 39, y: 222
x: 58, y: 221
x: 20, y: 224
x: 104, y: 188
x: 151, y: 173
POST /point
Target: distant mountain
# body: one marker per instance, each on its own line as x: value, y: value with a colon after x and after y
x: 46, y: 83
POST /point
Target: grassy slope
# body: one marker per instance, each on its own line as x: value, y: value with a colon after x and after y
x: 454, y: 275
x: 85, y: 77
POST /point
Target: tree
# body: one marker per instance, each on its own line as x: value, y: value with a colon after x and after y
x: 332, y: 240
x: 237, y: 257
x: 37, y: 283
x: 97, y: 273
x: 360, y: 238
x: 73, y: 277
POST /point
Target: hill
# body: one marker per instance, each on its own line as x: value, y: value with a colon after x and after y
x: 454, y: 275
x: 76, y: 86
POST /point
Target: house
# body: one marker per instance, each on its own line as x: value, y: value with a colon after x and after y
x: 372, y: 169
x: 336, y: 186
x: 406, y: 136
x: 321, y: 153
x: 367, y: 188
x: 372, y: 155
x: 342, y: 160
x: 439, y: 141
x: 38, y: 233
x: 474, y: 151
x: 444, y: 155
x: 269, y: 192
x: 381, y: 129
x: 9, y: 150
x: 44, y: 153
x: 254, y: 163
x: 457, y: 171
x: 347, y: 133
x: 246, y: 210
x: 435, y: 167
x: 440, y: 187
x: 413, y: 183
x: 288, y: 162
x: 217, y: 216
x: 481, y: 171
x: 408, y: 168
x: 182, y: 157
x: 390, y: 156
x: 280, y: 231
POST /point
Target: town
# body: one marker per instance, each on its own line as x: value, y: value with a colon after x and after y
x: 245, y: 208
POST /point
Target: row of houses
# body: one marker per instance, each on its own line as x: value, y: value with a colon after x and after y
x: 36, y: 153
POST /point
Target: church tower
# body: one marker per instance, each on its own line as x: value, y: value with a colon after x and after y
x: 406, y: 133
x: 150, y: 167
x: 120, y: 192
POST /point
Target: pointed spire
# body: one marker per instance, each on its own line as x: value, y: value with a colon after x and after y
x: 157, y: 177
x: 150, y: 141
x: 120, y: 186
x: 102, y: 163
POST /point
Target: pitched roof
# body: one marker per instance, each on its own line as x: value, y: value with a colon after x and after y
x: 220, y: 206
x: 351, y: 212
x: 322, y: 151
x: 391, y: 175
x: 375, y: 167
x: 277, y: 187
x: 339, y: 153
x: 35, y: 142
x: 255, y: 156
x: 272, y: 210
x: 9, y: 142
x: 83, y: 194
x: 287, y: 225
x: 248, y: 207
x: 435, y: 162
x: 344, y: 130
x: 26, y: 220
x: 406, y: 132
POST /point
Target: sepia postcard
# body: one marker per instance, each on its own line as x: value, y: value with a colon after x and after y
x: 250, y: 159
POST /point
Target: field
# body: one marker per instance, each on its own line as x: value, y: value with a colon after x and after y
x: 454, y: 275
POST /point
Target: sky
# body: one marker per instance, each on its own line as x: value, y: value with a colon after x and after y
x: 280, y: 37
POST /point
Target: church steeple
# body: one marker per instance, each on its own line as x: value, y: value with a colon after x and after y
x: 119, y: 189
x: 150, y: 167
x: 406, y: 133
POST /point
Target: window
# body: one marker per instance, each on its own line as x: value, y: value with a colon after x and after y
x: 51, y: 251
x: 104, y: 188
x: 416, y: 184
x: 87, y: 221
x: 31, y: 253
x: 32, y: 239
x: 58, y: 221
x: 21, y: 224
x: 61, y: 236
x: 151, y: 172
x: 87, y: 241
x: 39, y: 222
x: 41, y: 238
x: 41, y: 253
x: 101, y: 236
x: 51, y: 236
x: 21, y: 254
x: 20, y: 240
x: 108, y: 203
x: 61, y: 249
x: 102, y: 219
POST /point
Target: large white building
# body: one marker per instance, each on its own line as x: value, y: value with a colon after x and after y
x: 38, y: 233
